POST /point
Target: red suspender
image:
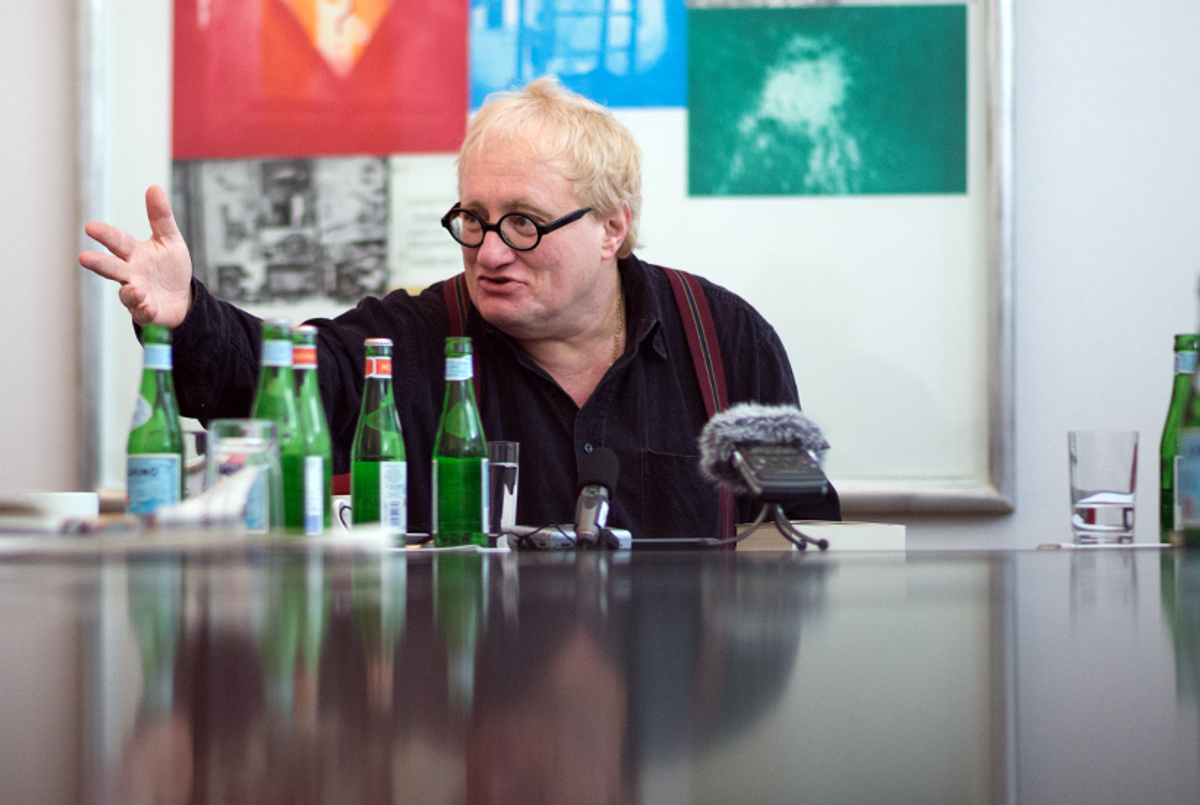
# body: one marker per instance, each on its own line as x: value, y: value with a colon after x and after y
x: 706, y: 360
x: 702, y: 341
x: 458, y: 304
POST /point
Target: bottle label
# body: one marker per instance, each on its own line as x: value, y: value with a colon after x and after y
x: 1176, y: 516
x: 152, y: 481
x: 485, y: 488
x: 459, y: 368
x: 1187, y: 480
x: 314, y: 495
x: 393, y: 496
x: 142, y: 411
x: 377, y: 367
x: 304, y: 356
x: 277, y: 353
x: 1185, y: 363
x: 157, y: 356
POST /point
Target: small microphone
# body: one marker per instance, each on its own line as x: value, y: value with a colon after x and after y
x: 767, y: 451
x: 752, y: 424
x: 597, y: 478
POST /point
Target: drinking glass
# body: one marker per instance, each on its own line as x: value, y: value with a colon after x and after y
x: 249, y: 445
x: 503, y: 477
x: 1103, y: 484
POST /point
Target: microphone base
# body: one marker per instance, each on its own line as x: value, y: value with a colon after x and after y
x: 562, y: 537
x: 789, y: 531
x: 606, y: 540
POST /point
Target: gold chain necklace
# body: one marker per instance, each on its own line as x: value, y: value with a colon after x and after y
x: 620, y: 324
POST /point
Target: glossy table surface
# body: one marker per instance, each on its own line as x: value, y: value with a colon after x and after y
x: 318, y: 673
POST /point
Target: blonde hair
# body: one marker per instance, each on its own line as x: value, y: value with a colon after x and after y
x: 597, y: 155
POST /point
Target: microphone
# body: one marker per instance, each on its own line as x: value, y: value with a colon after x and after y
x: 769, y: 451
x: 738, y: 429
x: 597, y: 478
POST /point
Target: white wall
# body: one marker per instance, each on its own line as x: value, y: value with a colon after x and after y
x: 1107, y: 248
x: 37, y: 262
x: 1107, y: 237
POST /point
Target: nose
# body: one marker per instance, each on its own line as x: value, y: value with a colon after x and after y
x: 493, y: 252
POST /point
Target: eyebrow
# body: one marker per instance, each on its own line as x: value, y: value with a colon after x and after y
x: 519, y: 204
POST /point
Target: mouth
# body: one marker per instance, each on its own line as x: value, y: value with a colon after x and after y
x: 497, y: 284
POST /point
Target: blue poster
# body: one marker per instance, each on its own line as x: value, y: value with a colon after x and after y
x: 620, y: 53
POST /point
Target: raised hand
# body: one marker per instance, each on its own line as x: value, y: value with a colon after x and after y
x: 155, y: 274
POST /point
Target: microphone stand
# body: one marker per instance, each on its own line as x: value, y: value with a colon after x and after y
x: 789, y: 531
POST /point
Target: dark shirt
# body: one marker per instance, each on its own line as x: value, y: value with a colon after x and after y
x: 647, y: 408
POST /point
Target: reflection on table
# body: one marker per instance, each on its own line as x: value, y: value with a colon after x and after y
x: 313, y: 672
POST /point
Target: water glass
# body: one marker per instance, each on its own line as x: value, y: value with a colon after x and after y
x: 1103, y: 484
x: 237, y: 445
x: 503, y: 477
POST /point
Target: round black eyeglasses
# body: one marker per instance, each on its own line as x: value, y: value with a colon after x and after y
x: 516, y: 229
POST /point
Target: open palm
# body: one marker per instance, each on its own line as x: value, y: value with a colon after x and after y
x: 155, y: 274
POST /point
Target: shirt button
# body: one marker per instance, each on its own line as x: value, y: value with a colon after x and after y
x: 587, y: 448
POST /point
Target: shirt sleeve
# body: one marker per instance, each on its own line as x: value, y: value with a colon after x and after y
x: 215, y: 354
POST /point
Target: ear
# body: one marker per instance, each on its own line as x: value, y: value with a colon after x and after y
x: 616, y: 227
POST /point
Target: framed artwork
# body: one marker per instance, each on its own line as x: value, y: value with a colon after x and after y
x: 844, y: 166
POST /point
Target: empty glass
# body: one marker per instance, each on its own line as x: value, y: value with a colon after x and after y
x: 249, y: 445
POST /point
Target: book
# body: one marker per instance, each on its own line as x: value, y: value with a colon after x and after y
x: 842, y: 536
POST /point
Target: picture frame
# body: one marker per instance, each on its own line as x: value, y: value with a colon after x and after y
x: 845, y: 312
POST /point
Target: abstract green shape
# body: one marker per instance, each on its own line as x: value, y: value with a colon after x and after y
x: 827, y: 101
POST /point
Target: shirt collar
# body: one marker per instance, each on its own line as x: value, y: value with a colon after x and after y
x: 643, y: 313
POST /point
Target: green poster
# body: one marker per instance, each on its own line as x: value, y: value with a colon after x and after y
x: 827, y: 101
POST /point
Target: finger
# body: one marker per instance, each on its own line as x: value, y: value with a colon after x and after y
x: 117, y: 241
x: 105, y: 265
x: 158, y: 210
x: 140, y: 316
x: 151, y: 312
x: 131, y: 296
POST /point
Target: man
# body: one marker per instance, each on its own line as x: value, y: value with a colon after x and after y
x: 578, y: 344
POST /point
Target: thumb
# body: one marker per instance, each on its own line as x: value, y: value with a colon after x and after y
x: 158, y: 210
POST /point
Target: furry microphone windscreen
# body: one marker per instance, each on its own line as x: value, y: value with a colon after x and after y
x: 752, y: 423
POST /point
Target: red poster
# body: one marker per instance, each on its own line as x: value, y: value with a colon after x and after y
x: 266, y: 78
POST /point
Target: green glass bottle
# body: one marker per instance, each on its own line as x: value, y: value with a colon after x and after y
x: 314, y: 432
x: 1185, y: 365
x: 378, y: 464
x: 460, y: 462
x: 275, y: 399
x: 1187, y: 468
x: 154, y: 456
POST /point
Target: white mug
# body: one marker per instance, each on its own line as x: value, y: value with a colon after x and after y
x: 343, y: 513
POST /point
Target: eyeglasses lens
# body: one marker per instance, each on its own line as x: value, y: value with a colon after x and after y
x: 517, y: 230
